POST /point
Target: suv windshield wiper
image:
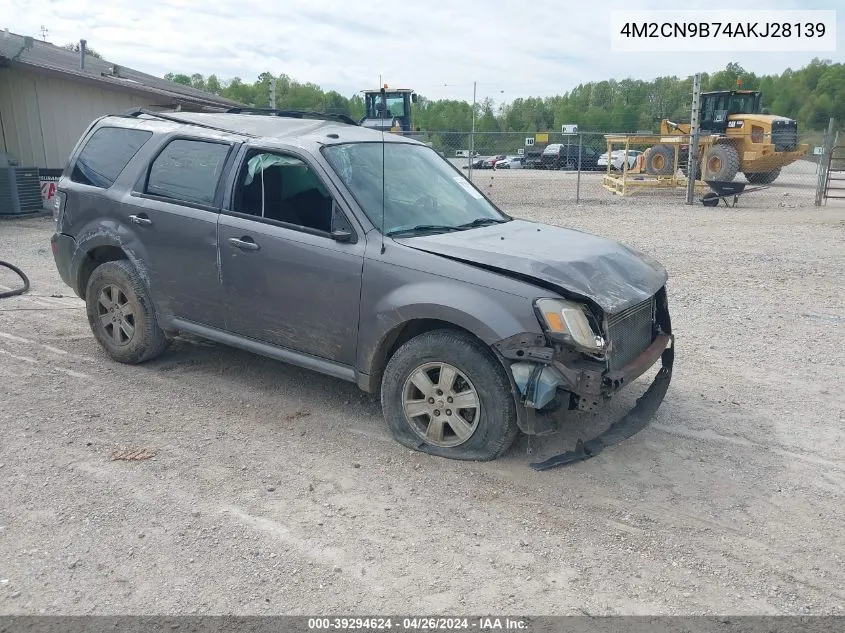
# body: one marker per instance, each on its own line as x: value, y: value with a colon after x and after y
x: 481, y: 222
x: 425, y: 228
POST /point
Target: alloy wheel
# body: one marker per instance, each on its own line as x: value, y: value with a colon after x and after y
x: 441, y: 404
x: 116, y: 314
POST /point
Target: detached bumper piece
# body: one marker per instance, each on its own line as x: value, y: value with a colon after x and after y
x: 638, y: 417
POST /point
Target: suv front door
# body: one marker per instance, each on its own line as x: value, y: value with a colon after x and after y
x: 287, y: 280
x: 174, y: 210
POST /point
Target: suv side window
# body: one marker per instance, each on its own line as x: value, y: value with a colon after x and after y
x: 188, y: 170
x: 106, y: 153
x: 283, y: 188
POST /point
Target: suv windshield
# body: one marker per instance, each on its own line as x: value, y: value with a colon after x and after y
x: 422, y: 191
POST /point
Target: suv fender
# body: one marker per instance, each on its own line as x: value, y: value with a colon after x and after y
x: 452, y: 303
x: 90, y: 242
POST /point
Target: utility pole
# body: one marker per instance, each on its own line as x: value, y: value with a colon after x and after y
x: 472, y: 136
x: 695, y: 125
x: 273, y: 92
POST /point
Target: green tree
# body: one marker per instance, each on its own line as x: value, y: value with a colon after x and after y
x: 74, y: 47
x: 811, y: 95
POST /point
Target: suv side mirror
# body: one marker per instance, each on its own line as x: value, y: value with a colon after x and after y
x: 341, y: 235
x: 340, y: 229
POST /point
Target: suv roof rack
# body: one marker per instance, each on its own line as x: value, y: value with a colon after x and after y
x: 296, y: 114
x: 135, y: 112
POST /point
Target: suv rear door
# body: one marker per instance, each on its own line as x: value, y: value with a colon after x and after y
x: 287, y: 280
x: 173, y: 212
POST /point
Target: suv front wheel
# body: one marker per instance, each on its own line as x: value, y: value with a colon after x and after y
x: 445, y: 394
x: 121, y: 314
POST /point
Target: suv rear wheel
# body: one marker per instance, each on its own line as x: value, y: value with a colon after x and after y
x: 121, y: 314
x: 445, y: 394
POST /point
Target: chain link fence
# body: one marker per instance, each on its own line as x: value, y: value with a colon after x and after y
x: 523, y: 168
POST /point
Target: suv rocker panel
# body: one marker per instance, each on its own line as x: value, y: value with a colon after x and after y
x: 321, y: 365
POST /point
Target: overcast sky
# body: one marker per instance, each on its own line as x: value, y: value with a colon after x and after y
x: 512, y: 48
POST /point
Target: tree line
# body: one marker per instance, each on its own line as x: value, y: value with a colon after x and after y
x: 811, y: 95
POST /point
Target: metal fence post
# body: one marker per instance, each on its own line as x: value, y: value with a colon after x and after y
x: 824, y: 162
x: 472, y: 135
x: 578, y: 180
x: 692, y: 158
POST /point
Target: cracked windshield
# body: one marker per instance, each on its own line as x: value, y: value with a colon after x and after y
x: 420, y: 192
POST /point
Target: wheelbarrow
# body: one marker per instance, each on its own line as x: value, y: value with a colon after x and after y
x: 723, y: 189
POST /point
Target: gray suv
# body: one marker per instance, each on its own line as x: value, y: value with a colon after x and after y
x: 362, y: 255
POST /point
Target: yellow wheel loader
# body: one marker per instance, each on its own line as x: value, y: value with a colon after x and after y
x: 736, y: 135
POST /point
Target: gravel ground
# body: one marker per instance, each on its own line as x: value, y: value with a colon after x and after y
x: 276, y: 490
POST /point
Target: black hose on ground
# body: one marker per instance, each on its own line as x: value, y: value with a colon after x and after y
x: 20, y: 273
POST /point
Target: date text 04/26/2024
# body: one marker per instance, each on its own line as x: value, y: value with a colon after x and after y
x: 418, y: 624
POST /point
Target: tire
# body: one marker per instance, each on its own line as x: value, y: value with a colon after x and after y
x: 660, y: 160
x: 479, y: 433
x: 710, y: 199
x: 131, y: 334
x: 762, y: 177
x: 721, y: 162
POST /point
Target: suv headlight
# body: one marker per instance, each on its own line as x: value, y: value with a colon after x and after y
x: 568, y: 322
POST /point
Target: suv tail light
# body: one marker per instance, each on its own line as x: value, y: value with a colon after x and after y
x: 59, y: 205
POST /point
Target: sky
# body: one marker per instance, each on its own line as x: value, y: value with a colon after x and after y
x: 509, y: 48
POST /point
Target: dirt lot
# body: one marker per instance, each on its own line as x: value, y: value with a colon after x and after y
x: 275, y: 490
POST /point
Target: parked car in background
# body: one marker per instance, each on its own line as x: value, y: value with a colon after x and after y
x: 510, y: 162
x: 490, y: 161
x: 532, y: 160
x: 477, y: 163
x: 565, y: 156
x: 617, y: 159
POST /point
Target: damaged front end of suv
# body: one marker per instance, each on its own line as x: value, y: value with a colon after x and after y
x: 585, y: 356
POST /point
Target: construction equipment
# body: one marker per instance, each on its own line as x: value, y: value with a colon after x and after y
x: 388, y: 110
x: 737, y: 135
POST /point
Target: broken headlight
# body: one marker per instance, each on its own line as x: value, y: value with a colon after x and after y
x: 568, y: 322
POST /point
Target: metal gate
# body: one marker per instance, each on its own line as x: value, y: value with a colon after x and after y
x: 831, y: 173
x: 834, y: 182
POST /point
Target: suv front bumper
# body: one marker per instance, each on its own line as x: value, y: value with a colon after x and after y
x: 539, y: 376
x: 630, y: 424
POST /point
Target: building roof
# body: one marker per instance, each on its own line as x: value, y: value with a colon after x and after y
x: 47, y: 58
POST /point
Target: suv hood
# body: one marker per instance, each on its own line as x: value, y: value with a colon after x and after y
x: 612, y: 274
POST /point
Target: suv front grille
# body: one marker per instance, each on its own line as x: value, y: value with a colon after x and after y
x: 785, y: 136
x: 630, y: 332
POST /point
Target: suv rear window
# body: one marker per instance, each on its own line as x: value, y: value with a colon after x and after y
x: 105, y: 155
x: 188, y: 171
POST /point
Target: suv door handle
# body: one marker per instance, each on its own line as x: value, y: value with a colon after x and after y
x: 142, y: 219
x: 245, y: 243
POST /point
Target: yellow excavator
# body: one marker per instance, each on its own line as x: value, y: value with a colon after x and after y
x: 736, y: 135
x: 388, y: 109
